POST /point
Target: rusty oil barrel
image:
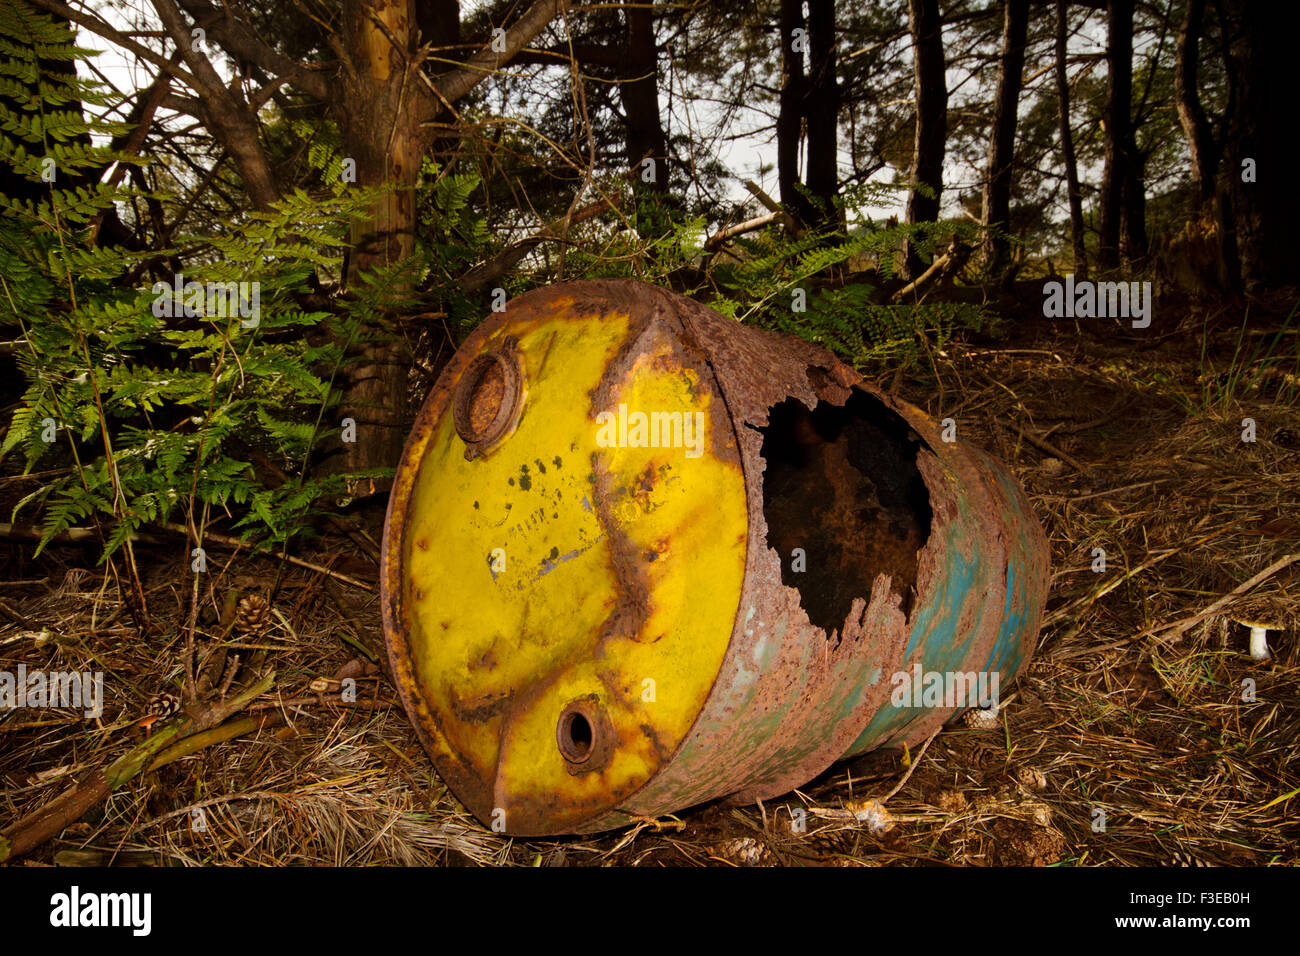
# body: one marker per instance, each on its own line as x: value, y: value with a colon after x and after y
x: 639, y: 556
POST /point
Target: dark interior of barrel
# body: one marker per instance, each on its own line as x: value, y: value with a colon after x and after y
x: 841, y: 483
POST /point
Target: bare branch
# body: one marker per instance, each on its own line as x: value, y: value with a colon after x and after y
x: 452, y: 86
x: 791, y: 224
x: 179, y: 103
x: 233, y: 36
x: 486, y: 273
x: 722, y: 236
x: 100, y: 28
x: 231, y: 119
x: 587, y: 54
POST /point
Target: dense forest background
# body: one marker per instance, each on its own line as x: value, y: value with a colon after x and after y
x: 386, y: 171
x: 372, y: 177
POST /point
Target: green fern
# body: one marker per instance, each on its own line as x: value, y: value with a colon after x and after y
x: 772, y: 272
x: 147, y: 411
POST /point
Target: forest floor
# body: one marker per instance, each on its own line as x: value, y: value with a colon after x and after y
x: 1131, y: 712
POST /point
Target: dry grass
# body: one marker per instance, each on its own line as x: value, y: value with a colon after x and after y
x: 1133, y: 706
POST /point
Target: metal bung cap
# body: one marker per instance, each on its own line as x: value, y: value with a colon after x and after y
x: 489, y: 399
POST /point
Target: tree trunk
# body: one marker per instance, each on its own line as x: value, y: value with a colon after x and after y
x: 1266, y: 208
x: 822, y: 107
x: 1002, y: 144
x: 388, y: 141
x: 1119, y: 96
x: 1196, y: 127
x: 1080, y: 250
x: 931, y: 119
x: 789, y: 120
x: 439, y: 25
x: 386, y: 114
x: 639, y: 91
x: 1224, y: 189
x: 1133, y: 218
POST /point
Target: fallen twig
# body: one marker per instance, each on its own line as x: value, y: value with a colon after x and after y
x: 1179, y: 627
x: 916, y: 762
x: 230, y: 542
x: 1043, y: 444
x: 31, y: 831
x: 1168, y: 632
x: 227, y: 731
x: 89, y: 536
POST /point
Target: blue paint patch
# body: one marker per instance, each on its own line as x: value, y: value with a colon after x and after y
x: 550, y: 564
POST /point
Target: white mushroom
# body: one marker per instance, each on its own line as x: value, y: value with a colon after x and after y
x: 1261, y: 617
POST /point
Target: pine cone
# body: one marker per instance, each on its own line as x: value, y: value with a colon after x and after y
x: 745, y: 851
x: 252, y: 616
x: 162, y: 705
x: 979, y: 719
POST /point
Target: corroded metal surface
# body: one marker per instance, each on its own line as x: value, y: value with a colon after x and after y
x: 646, y: 641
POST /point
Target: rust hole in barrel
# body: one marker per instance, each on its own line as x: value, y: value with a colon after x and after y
x: 841, y: 483
x: 575, y: 735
